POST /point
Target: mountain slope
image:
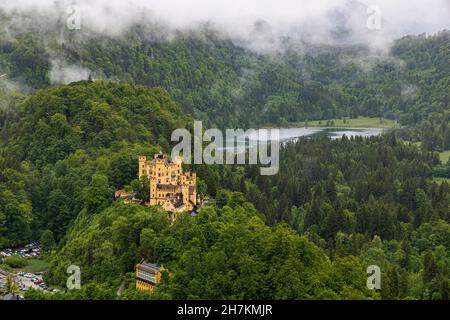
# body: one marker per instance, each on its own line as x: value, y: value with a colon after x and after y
x: 69, y: 147
x: 223, y: 84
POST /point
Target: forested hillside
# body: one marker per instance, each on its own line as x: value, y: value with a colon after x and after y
x: 225, y: 252
x: 309, y: 232
x: 355, y: 201
x: 218, y: 82
x: 69, y: 147
x: 371, y: 198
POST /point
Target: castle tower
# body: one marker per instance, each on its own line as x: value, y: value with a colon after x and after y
x: 142, y: 168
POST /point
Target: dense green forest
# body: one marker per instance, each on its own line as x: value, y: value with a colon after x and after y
x: 309, y: 232
x: 334, y: 207
x: 225, y: 252
x: 226, y: 85
x: 70, y: 147
x: 372, y: 198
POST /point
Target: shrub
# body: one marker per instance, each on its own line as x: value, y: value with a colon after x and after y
x: 15, y: 262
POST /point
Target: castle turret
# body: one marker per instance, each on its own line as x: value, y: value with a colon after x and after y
x: 142, y: 169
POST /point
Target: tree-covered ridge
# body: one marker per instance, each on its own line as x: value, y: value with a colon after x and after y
x: 69, y: 147
x: 217, y: 81
x: 91, y: 116
x: 223, y: 253
x: 206, y: 73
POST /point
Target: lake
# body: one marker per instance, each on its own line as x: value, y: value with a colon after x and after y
x: 292, y: 134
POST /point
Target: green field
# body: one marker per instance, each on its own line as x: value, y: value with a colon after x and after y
x: 360, y: 122
x: 36, y: 265
x: 444, y: 156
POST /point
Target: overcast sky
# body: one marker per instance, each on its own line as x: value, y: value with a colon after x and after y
x: 238, y: 16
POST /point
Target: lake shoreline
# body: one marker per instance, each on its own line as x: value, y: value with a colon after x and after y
x: 356, y: 123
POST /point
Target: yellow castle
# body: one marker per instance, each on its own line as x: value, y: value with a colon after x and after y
x: 170, y: 188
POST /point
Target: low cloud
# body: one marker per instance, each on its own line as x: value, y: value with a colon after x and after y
x: 62, y: 73
x: 258, y: 24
